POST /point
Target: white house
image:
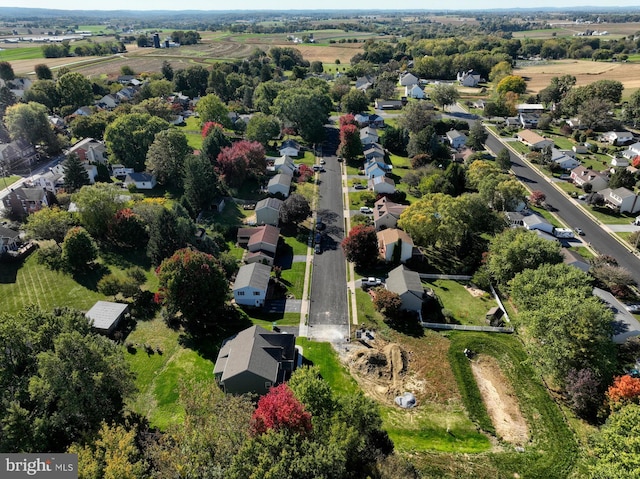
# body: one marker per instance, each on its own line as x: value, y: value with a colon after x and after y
x: 369, y: 135
x: 268, y: 211
x: 382, y: 184
x: 391, y: 238
x: 143, y: 181
x: 632, y: 151
x: 582, y: 176
x: 386, y: 213
x: 284, y: 164
x: 251, y: 285
x: 281, y: 183
x: 468, y: 78
x: 414, y: 91
x: 617, y: 137
x: 530, y: 108
x: 621, y: 199
x: 533, y: 140
x: 456, y: 139
x: 406, y: 284
x: 408, y: 79
x: 91, y: 150
x: 619, y: 162
x: 120, y: 170
x: 535, y: 222
x: 565, y: 162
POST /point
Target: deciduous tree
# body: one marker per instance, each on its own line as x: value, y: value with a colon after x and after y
x: 415, y: 117
x: 280, y: 410
x: 387, y: 303
x: 262, y: 128
x: 361, y: 246
x: 127, y: 230
x: 97, y: 204
x: 306, y: 109
x: 503, y: 160
x: 44, y: 92
x: 355, y: 101
x: 50, y: 224
x: 477, y: 136
x: 43, y: 72
x: 6, y: 71
x: 129, y: 137
x: 513, y: 83
x: 295, y: 209
x: 241, y: 160
x: 74, y: 90
x: 30, y: 122
x: 201, y: 183
x: 624, y: 390
x: 444, y: 94
x: 78, y: 249
x: 350, y: 144
x: 211, y: 108
x: 166, y: 156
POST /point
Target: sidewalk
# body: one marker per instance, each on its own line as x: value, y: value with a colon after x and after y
x: 351, y: 274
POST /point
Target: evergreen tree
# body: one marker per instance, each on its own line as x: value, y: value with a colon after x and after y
x: 75, y: 176
x: 477, y: 136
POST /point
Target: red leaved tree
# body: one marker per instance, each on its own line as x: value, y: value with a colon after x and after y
x: 624, y: 390
x: 636, y: 162
x: 127, y: 230
x: 350, y: 144
x: 305, y: 173
x: 361, y: 246
x: 279, y: 409
x: 347, y: 119
x: 206, y: 128
x: 240, y: 160
x: 537, y: 197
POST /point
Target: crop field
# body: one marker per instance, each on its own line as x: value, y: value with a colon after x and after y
x: 22, y: 53
x: 564, y: 29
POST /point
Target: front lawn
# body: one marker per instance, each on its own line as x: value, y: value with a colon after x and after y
x: 293, y: 278
x: 520, y: 147
x: 610, y: 217
x: 323, y: 356
x: 9, y: 180
x: 466, y: 309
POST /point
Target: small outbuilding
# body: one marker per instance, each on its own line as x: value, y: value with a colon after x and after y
x: 106, y: 315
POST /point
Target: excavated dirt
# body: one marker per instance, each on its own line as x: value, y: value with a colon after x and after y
x: 500, y: 400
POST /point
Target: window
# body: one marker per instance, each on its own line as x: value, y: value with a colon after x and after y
x: 240, y: 293
x: 256, y: 293
x: 267, y: 384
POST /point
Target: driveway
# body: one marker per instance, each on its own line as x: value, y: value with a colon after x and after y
x: 283, y: 306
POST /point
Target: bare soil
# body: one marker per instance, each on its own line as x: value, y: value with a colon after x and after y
x: 475, y: 292
x: 500, y: 400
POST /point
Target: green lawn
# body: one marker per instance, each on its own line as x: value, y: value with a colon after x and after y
x: 520, y: 147
x: 21, y: 53
x: 7, y: 181
x: 294, y: 279
x: 296, y: 246
x: 266, y: 320
x: 609, y: 217
x: 325, y: 358
x: 193, y: 132
x: 466, y: 308
x: 568, y: 187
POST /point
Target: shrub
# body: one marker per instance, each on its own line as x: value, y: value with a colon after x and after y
x: 50, y: 256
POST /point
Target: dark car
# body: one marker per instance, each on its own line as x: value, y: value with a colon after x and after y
x: 319, y: 223
x: 318, y: 237
x: 318, y: 249
x: 359, y: 186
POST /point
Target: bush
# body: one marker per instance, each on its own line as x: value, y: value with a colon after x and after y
x: 50, y: 256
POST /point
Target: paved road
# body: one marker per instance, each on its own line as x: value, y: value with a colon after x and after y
x: 600, y: 240
x: 328, y: 310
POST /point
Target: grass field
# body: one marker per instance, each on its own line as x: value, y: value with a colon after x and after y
x: 466, y: 309
x: 21, y: 53
x: 294, y: 279
x: 9, y: 180
x: 609, y: 217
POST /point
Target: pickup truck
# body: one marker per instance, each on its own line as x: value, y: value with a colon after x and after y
x: 371, y: 282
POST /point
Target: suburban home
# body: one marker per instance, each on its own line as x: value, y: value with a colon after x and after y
x: 381, y: 104
x: 512, y: 121
x: 374, y: 151
x: 58, y: 123
x: 566, y: 162
x: 254, y: 360
x: 632, y: 151
x: 251, y: 285
x: 619, y: 162
x: 533, y: 140
x: 528, y: 120
x: 121, y: 171
x: 9, y: 239
x: 382, y: 185
x: 530, y: 108
x: 392, y: 238
x: 84, y: 111
x: 373, y: 168
x: 571, y: 258
x: 575, y: 124
x: 414, y: 91
x: 479, y: 104
x: 580, y: 149
x: 406, y: 284
x: 261, y: 243
x: 514, y: 218
x: 143, y: 181
x: 364, y: 83
x: 369, y: 135
x: 50, y: 181
x: 284, y: 164
x: 18, y: 154
x: 365, y: 119
x: 621, y: 199
x: 126, y: 94
x: 617, y: 137
x: 535, y: 222
x: 456, y: 139
x: 582, y: 176
x: 108, y: 102
x: 290, y: 148
x: 90, y: 150
x: 281, y: 183
x: 23, y: 201
x: 386, y: 213
x: 91, y: 169
x: 268, y: 211
x: 468, y: 78
x: 408, y: 79
x: 18, y: 86
x: 106, y: 315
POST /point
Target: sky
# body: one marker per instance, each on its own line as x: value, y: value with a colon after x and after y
x: 303, y: 5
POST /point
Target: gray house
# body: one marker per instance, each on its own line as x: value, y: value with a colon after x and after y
x: 407, y: 285
x: 268, y: 211
x: 251, y: 285
x: 254, y: 360
x: 105, y: 315
x: 281, y: 183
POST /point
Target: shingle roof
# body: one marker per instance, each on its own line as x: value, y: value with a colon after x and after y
x: 280, y: 179
x: 253, y: 275
x: 273, y: 203
x: 392, y: 235
x: 8, y: 233
x: 402, y: 280
x: 105, y: 313
x: 264, y: 234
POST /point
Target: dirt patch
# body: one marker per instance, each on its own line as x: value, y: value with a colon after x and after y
x: 475, y: 292
x: 500, y: 400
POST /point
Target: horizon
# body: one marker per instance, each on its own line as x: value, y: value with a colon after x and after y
x: 330, y: 5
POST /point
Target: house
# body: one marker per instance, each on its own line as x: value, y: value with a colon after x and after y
x: 84, y: 111
x: 50, y: 181
x: 364, y: 119
x: 468, y: 78
x: 530, y: 108
x: 575, y: 124
x: 580, y: 149
x: 571, y: 258
x: 535, y: 222
x: 285, y: 165
x: 268, y: 211
x: 90, y: 150
x: 382, y: 185
x: 632, y: 151
x: 406, y: 284
x: 619, y: 162
x: 105, y: 316
x: 582, y: 176
x: 621, y: 199
x: 514, y: 218
x: 364, y: 83
x: 126, y: 94
x: 408, y: 79
x: 261, y: 242
x: 528, y: 120
x: 254, y: 360
x: 108, y: 102
x: 9, y: 239
x: 290, y: 148
x: 373, y: 168
x: 18, y: 154
x: 386, y: 213
x: 625, y: 325
x: 456, y: 139
x: 414, y: 91
x: 381, y: 104
x: 252, y: 282
x: 617, y: 137
x: 143, y: 181
x: 281, y: 183
x: 18, y: 86
x: 374, y: 151
x: 23, y: 201
x: 479, y: 104
x: 533, y: 140
x: 390, y: 239
x: 565, y: 162
x: 369, y: 135
x: 120, y: 171
x: 512, y: 121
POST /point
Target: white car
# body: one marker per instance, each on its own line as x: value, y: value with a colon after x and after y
x: 371, y: 282
x: 323, y: 161
x: 366, y: 210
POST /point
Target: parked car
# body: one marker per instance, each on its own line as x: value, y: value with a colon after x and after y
x: 633, y: 308
x: 318, y: 249
x: 318, y: 237
x: 582, y: 197
x: 359, y: 186
x: 339, y: 159
x: 371, y: 282
x: 319, y: 223
x: 316, y: 167
x: 366, y: 210
x: 579, y: 232
x: 323, y: 161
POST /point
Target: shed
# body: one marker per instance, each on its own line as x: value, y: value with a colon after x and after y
x: 106, y: 315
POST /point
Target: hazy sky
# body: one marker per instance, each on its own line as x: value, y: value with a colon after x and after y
x: 302, y: 5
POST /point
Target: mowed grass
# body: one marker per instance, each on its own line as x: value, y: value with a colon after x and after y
x: 31, y: 283
x: 21, y: 53
x: 466, y: 309
x: 9, y: 180
x: 323, y: 356
x: 158, y: 375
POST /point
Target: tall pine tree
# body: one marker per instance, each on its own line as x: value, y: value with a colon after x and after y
x: 75, y: 176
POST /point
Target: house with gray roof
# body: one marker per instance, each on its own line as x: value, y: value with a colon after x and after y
x: 571, y: 258
x: 254, y: 360
x: 382, y: 184
x: 251, y: 284
x: 535, y: 222
x: 143, y: 180
x: 281, y: 183
x: 621, y: 199
x: 456, y: 139
x: 268, y: 211
x: 106, y: 315
x: 9, y: 239
x: 23, y: 201
x: 386, y: 213
x: 406, y: 284
x: 284, y: 164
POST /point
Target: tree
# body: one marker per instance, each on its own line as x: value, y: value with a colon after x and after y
x: 30, y: 122
x: 191, y: 81
x: 477, y: 136
x: 595, y: 115
x: 75, y: 175
x: 306, y: 109
x: 312, y: 391
x: 44, y: 92
x: 503, y: 160
x: 92, y: 126
x: 7, y: 99
x: 631, y: 112
x: 295, y: 209
x: 478, y: 170
x: 50, y: 224
x: 584, y: 391
x: 43, y: 72
x: 499, y: 71
x: 201, y: 183
x: 622, y: 178
x: 74, y: 90
x: 279, y: 410
x: 127, y: 230
x: 6, y: 71
x: 166, y: 156
x: 355, y: 101
x: 97, y: 204
x: 78, y: 249
x: 264, y: 95
x: 361, y: 246
x: 129, y: 137
x: 262, y: 128
x: 624, y: 390
x: 515, y: 250
x: 513, y: 83
x: 537, y: 197
x: 387, y: 303
x: 194, y: 284
x: 241, y: 160
x: 444, y: 94
x: 425, y: 141
x: 396, y: 140
x: 616, y: 452
x: 211, y: 108
x: 614, y: 277
x: 155, y: 107
x: 350, y: 144
x: 415, y: 117
x: 214, y: 141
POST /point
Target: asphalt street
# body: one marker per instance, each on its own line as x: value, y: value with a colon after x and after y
x: 328, y: 282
